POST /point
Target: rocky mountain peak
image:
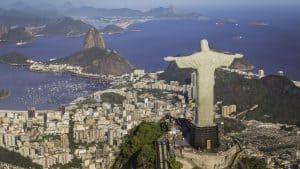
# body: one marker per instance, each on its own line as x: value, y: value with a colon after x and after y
x: 92, y: 39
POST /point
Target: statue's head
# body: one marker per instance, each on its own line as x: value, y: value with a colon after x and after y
x: 204, y: 45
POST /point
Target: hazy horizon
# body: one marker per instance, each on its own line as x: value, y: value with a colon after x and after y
x: 146, y: 5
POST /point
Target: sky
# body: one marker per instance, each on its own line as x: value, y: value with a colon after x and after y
x: 191, y: 3
x: 146, y: 4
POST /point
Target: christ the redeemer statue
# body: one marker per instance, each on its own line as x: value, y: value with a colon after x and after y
x: 205, y: 63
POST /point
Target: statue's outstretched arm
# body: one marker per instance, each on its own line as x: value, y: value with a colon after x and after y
x: 182, y: 62
x: 226, y: 60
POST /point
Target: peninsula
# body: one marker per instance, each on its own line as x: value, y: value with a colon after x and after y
x: 94, y: 60
x: 14, y: 58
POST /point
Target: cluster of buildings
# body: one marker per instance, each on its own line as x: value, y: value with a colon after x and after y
x: 98, y: 128
x: 120, y: 21
x: 277, y: 144
x: 228, y: 110
x: 91, y: 132
x: 248, y: 75
x: 141, y: 80
x: 40, y: 135
x: 38, y: 66
x: 161, y: 85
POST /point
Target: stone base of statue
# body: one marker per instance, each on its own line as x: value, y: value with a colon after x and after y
x: 204, y: 138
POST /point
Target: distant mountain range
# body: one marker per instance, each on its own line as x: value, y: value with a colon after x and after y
x: 125, y: 12
x: 61, y: 22
x: 66, y: 27
x: 101, y: 12
x: 41, y: 9
x: 61, y: 27
x: 17, y: 34
x: 15, y: 17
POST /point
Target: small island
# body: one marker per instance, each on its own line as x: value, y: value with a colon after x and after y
x: 111, y: 29
x: 4, y: 93
x: 14, y: 58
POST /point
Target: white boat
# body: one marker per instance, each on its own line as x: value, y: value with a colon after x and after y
x: 52, y: 59
x: 21, y: 43
x: 237, y: 37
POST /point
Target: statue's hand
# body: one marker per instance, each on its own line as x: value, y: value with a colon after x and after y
x: 169, y: 58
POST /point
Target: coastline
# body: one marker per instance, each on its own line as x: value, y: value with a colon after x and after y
x: 74, y: 70
x: 72, y: 102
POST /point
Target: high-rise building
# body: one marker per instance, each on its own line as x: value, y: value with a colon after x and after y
x: 31, y: 112
x: 261, y: 73
x: 194, y: 85
x: 110, y: 137
x: 146, y: 102
x: 63, y: 109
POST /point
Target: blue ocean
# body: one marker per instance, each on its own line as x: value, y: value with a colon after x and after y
x: 267, y: 43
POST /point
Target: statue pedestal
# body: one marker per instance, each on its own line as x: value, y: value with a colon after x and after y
x: 204, y: 138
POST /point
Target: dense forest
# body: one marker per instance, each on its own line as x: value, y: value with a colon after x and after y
x: 138, y: 150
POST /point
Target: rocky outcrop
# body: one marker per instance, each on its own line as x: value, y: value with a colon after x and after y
x: 241, y: 64
x: 18, y: 34
x: 93, y: 39
x: 173, y: 73
x: 98, y: 61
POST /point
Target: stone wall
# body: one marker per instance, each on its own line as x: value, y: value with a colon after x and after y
x: 207, y: 160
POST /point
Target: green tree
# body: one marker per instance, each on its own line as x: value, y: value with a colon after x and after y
x: 75, y: 163
x: 146, y: 157
x: 138, y: 147
x: 112, y: 98
x: 174, y: 164
x: 253, y: 163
